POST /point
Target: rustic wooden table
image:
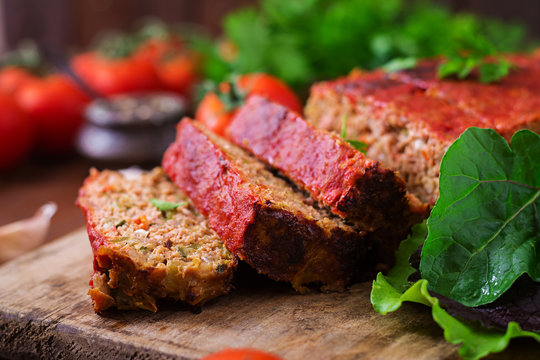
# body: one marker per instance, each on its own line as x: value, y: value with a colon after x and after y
x: 45, y: 309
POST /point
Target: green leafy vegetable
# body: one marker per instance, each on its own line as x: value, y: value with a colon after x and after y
x: 357, y: 144
x: 490, y: 72
x: 306, y: 40
x: 484, y: 229
x: 475, y: 53
x: 162, y: 205
x: 477, y: 341
x: 387, y: 299
x: 389, y: 292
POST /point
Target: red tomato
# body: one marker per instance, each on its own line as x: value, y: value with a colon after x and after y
x: 16, y: 133
x: 115, y: 76
x: 153, y: 50
x: 55, y: 105
x: 175, y: 67
x: 178, y: 73
x: 270, y: 87
x: 11, y: 78
x: 241, y: 354
x: 213, y: 112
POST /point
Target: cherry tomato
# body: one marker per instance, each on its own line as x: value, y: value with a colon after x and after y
x: 216, y: 115
x: 270, y: 87
x: 12, y: 77
x: 241, y: 354
x: 110, y: 76
x: 153, y: 49
x: 178, y: 72
x: 55, y: 105
x: 174, y: 66
x: 16, y: 133
x: 213, y: 113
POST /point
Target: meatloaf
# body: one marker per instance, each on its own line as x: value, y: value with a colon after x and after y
x: 332, y: 171
x: 149, y: 242
x: 267, y: 222
x: 409, y: 119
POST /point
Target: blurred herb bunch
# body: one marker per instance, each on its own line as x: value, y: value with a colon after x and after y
x: 306, y: 40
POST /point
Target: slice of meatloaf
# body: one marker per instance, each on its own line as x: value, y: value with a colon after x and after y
x: 409, y: 119
x: 274, y: 227
x: 404, y: 129
x: 149, y: 242
x: 332, y: 171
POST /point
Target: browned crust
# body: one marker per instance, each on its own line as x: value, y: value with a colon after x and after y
x: 290, y: 247
x: 268, y: 235
x: 333, y: 172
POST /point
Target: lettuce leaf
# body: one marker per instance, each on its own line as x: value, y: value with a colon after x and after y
x: 389, y: 292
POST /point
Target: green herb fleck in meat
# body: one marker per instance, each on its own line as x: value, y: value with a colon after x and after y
x: 162, y: 205
x: 183, y: 251
x: 120, y: 223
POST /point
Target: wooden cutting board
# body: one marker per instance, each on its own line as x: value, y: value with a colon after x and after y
x: 45, y: 312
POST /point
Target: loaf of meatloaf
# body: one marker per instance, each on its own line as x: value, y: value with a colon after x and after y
x: 264, y: 220
x: 149, y: 243
x: 329, y: 168
x: 409, y: 119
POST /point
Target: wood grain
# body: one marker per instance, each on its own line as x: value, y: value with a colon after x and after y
x: 45, y: 313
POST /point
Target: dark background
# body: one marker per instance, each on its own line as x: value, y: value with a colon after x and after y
x: 71, y: 24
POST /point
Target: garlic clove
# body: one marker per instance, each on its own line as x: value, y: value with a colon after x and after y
x: 18, y: 237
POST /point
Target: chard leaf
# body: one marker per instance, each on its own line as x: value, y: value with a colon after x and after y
x: 484, y: 229
x: 389, y: 292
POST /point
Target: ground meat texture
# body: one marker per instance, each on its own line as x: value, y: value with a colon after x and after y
x: 142, y: 253
x: 260, y: 217
x: 333, y: 172
x: 410, y: 118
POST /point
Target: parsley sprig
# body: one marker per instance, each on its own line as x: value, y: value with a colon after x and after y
x: 475, y: 53
x: 303, y: 41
